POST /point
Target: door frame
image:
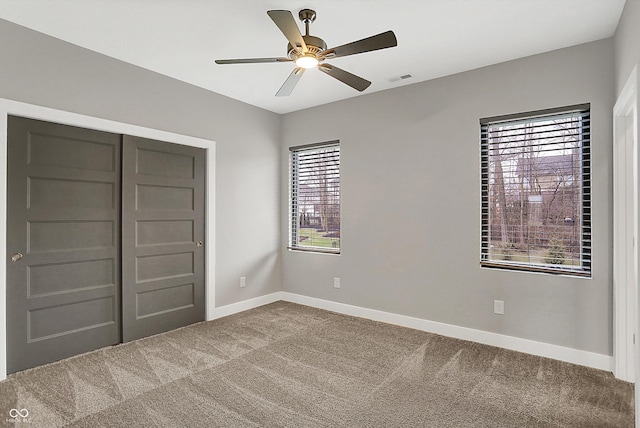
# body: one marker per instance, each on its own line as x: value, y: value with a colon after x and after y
x: 625, y: 293
x: 16, y: 108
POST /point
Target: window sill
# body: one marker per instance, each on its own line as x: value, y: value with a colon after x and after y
x: 536, y: 269
x: 314, y: 250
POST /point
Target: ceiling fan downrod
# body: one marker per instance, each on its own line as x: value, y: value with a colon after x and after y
x: 307, y: 16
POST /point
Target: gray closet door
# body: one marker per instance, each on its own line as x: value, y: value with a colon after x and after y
x: 162, y: 236
x: 62, y: 241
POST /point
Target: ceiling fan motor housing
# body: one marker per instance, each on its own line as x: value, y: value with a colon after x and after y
x: 315, y: 45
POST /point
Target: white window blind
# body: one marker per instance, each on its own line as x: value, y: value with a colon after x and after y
x: 536, y: 191
x: 315, y: 197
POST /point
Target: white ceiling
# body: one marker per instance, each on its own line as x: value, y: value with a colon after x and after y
x: 181, y: 38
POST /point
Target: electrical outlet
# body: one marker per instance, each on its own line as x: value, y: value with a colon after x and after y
x: 336, y: 282
x: 243, y: 281
x: 498, y: 307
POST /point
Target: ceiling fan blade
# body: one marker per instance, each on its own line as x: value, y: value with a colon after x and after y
x: 356, y: 82
x: 291, y: 82
x: 251, y: 60
x: 373, y: 43
x: 285, y: 22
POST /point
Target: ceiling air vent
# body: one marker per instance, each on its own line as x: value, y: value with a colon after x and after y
x: 399, y: 78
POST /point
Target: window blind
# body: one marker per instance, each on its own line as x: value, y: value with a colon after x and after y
x: 536, y: 191
x: 315, y: 197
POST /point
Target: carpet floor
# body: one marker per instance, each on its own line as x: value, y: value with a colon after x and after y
x: 287, y: 365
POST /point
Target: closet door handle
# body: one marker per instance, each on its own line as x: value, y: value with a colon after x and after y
x: 199, y: 244
x: 16, y: 257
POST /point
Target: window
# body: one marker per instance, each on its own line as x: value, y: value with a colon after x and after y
x: 536, y: 191
x: 315, y: 197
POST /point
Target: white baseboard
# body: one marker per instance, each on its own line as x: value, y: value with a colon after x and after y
x: 570, y: 355
x: 556, y: 352
x: 245, y: 305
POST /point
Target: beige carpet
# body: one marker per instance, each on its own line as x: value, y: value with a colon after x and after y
x: 286, y: 365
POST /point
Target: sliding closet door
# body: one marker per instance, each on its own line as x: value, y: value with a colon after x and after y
x: 162, y: 236
x: 63, y: 208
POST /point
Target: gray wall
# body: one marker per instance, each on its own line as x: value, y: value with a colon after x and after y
x: 627, y: 43
x: 411, y: 196
x: 41, y: 70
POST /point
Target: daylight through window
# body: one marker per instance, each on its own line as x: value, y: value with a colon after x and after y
x: 536, y: 191
x: 315, y: 197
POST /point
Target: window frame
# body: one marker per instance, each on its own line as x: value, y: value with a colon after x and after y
x: 294, y: 219
x: 585, y: 194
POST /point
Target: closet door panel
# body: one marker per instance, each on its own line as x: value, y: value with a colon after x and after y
x: 162, y: 236
x: 63, y: 232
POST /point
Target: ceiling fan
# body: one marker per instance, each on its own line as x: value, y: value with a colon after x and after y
x: 310, y: 51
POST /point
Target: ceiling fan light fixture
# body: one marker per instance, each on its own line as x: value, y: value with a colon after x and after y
x: 307, y: 61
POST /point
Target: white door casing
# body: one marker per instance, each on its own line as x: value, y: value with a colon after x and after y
x: 625, y: 214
